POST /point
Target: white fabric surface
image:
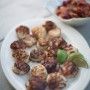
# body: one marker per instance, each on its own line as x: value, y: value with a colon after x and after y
x: 15, y: 11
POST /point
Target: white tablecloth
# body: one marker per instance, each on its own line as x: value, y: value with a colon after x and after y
x: 15, y: 11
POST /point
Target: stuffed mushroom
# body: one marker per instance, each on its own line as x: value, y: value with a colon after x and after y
x: 21, y: 68
x: 22, y: 31
x: 39, y: 32
x: 56, y: 81
x: 39, y: 71
x: 21, y: 55
x: 37, y: 55
x: 19, y: 44
x: 29, y: 40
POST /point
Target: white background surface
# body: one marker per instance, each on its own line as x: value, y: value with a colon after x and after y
x: 15, y: 11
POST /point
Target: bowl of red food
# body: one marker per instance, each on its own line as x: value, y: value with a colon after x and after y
x: 72, y: 12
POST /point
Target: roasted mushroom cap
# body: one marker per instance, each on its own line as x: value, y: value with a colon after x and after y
x: 21, y: 67
x: 54, y: 43
x: 62, y: 44
x: 21, y: 55
x: 39, y: 71
x: 22, y: 31
x: 50, y: 64
x: 50, y: 52
x: 49, y: 25
x: 19, y: 44
x: 42, y: 44
x: 36, y: 83
x: 39, y: 32
x: 29, y: 41
x: 56, y: 81
x: 53, y: 46
x: 54, y: 33
x: 37, y: 55
x: 70, y: 49
x: 69, y: 69
x: 67, y: 47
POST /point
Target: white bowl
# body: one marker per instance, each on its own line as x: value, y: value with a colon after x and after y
x: 70, y: 35
x: 53, y: 4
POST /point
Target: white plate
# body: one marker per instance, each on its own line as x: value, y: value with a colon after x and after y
x: 70, y: 34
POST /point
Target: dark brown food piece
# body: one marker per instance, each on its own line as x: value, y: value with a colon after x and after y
x: 21, y: 67
x: 74, y: 9
x: 67, y: 47
x: 21, y: 55
x: 49, y: 25
x: 53, y: 45
x: 37, y: 83
x: 19, y: 44
x: 56, y: 81
x: 69, y: 69
x: 37, y: 55
x: 22, y: 31
x: 50, y: 52
x: 50, y: 64
x: 62, y: 44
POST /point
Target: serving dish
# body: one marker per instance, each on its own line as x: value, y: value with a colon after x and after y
x: 70, y: 35
x: 52, y: 6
